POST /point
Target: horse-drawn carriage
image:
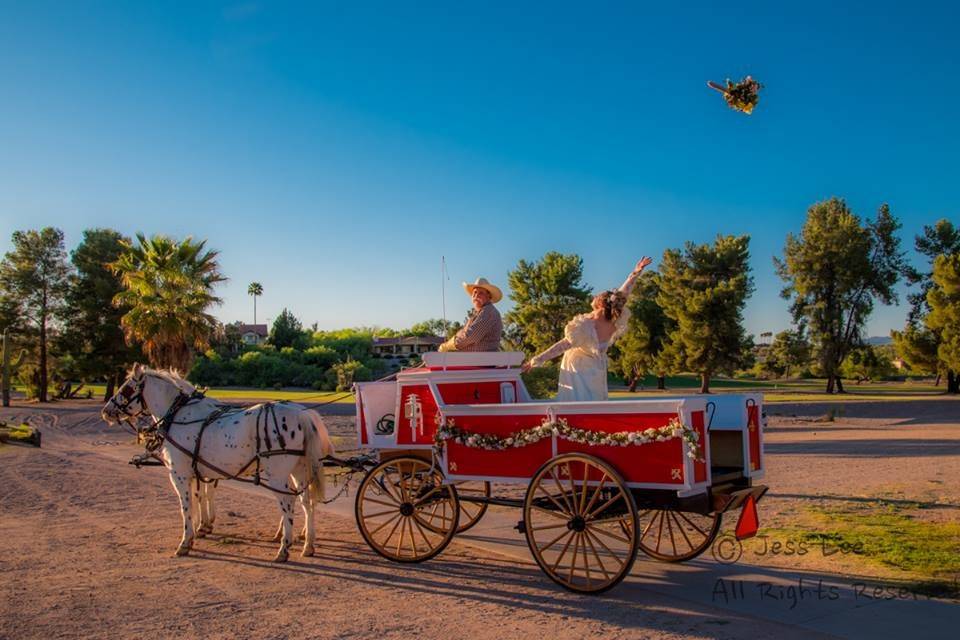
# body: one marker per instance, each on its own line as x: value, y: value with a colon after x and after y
x: 603, y: 479
x: 596, y: 481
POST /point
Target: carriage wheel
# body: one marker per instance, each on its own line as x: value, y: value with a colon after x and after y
x: 405, y: 512
x: 674, y: 536
x: 580, y: 521
x: 471, y: 512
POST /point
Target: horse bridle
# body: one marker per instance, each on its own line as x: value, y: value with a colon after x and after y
x: 131, y: 395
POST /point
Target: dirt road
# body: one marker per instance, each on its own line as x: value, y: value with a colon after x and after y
x: 88, y: 544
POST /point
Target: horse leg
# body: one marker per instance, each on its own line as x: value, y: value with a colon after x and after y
x: 196, y: 507
x: 309, y: 533
x: 286, y: 508
x: 182, y: 485
x: 207, y: 513
x: 278, y: 536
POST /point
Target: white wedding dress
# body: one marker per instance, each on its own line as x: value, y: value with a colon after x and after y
x: 583, y: 370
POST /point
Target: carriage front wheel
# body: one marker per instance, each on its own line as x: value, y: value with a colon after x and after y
x: 404, y: 510
x: 580, y: 520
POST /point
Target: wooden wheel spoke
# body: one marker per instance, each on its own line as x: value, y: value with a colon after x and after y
x: 660, y: 535
x: 384, y: 524
x: 381, y: 502
x: 586, y: 560
x: 551, y: 498
x: 573, y: 488
x: 590, y: 527
x: 553, y: 542
x: 613, y: 554
x: 379, y: 513
x: 615, y: 519
x: 685, y: 536
x: 555, y: 514
x: 423, y: 534
x: 562, y: 553
x: 424, y: 497
x: 606, y: 504
x: 596, y: 555
x: 690, y: 522
x: 392, y: 531
x: 596, y: 493
x: 563, y: 492
x: 576, y: 550
x: 647, y: 528
x: 673, y: 543
x: 583, y: 491
x: 384, y: 483
x: 403, y: 531
x: 548, y: 526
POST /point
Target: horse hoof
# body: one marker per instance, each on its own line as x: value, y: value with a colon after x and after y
x: 201, y: 533
x: 182, y: 551
x: 307, y: 552
x: 281, y: 556
x: 277, y: 538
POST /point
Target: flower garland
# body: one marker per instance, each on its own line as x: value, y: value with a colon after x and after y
x: 562, y: 429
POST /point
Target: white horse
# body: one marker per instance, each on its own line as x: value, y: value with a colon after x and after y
x: 281, y: 445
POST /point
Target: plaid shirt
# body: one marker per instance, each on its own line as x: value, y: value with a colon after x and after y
x: 481, y: 333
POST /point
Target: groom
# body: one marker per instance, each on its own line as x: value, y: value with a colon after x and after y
x: 483, y: 328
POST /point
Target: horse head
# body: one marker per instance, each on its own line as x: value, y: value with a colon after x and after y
x: 145, y: 392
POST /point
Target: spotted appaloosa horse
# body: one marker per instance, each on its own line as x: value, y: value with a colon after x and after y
x: 284, y: 442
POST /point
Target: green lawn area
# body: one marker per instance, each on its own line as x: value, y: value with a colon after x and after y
x: 791, y: 390
x: 774, y: 391
x: 888, y: 535
x: 296, y: 395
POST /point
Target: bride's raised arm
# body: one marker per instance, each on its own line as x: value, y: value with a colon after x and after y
x: 627, y: 287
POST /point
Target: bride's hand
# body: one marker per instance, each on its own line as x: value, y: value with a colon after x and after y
x: 643, y: 263
x: 526, y: 366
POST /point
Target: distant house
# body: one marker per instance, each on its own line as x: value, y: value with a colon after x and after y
x: 405, y: 346
x: 253, y: 334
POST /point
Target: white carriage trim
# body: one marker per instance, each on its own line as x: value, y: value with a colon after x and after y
x: 473, y: 359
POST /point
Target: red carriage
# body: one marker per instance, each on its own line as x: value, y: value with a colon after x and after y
x: 596, y: 481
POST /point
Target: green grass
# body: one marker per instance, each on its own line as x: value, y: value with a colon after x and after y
x: 791, y: 390
x: 888, y: 535
x: 16, y: 432
x: 298, y: 395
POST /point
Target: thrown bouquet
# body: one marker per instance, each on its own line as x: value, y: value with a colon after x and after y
x: 740, y: 96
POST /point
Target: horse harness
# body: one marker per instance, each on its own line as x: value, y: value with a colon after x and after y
x: 159, y: 433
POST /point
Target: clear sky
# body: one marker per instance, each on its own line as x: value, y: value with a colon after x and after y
x: 334, y: 152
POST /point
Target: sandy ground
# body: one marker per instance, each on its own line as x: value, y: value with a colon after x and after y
x: 89, y: 540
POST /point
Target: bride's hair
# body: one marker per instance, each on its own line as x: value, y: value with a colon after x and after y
x: 613, y: 302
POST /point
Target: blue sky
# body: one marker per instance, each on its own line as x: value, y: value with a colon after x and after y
x: 334, y: 152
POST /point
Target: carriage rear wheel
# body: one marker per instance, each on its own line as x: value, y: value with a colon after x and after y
x: 405, y: 512
x: 581, y: 521
x: 675, y: 536
x: 471, y: 512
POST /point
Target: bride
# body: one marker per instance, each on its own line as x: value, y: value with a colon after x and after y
x: 583, y: 370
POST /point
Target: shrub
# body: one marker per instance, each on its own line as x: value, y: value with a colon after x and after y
x: 542, y: 381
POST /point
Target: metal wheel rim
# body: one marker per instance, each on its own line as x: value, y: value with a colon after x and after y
x: 413, y: 533
x: 676, y: 536
x: 573, y: 527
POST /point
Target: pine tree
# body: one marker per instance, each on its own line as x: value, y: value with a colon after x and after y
x: 835, y: 271
x: 34, y: 279
x: 944, y: 316
x: 546, y: 295
x: 638, y: 350
x: 704, y: 289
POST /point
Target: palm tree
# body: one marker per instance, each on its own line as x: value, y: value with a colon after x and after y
x: 255, y: 289
x: 168, y: 286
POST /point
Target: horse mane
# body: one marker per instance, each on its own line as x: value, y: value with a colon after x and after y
x: 173, y: 377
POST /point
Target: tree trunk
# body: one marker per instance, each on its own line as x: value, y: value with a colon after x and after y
x: 661, y: 383
x: 704, y: 383
x: 632, y: 387
x: 42, y: 393
x: 953, y: 382
x: 830, y: 380
x: 840, y: 385
x: 936, y: 382
x: 111, y: 385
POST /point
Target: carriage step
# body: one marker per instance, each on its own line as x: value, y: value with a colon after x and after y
x: 521, y: 527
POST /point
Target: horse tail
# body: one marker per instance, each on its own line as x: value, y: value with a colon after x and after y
x: 317, y: 445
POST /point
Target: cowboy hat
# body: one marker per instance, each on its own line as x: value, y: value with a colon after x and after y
x: 483, y: 283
